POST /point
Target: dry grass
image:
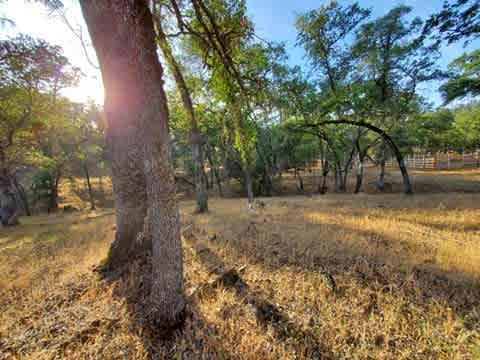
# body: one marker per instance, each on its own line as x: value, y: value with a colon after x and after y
x: 407, y: 271
x: 423, y: 181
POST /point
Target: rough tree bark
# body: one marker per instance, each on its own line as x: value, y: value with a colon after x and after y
x: 195, y: 136
x: 136, y: 109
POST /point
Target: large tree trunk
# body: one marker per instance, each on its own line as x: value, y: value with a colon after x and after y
x: 136, y: 109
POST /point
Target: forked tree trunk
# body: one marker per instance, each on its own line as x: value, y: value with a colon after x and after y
x: 136, y: 109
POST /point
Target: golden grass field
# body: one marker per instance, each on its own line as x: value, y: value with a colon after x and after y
x: 407, y: 272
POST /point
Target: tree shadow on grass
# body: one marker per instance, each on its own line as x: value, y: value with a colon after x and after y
x: 196, y: 338
x: 382, y: 263
x: 266, y: 312
x: 199, y: 338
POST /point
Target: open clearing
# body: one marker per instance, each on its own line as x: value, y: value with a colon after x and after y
x: 406, y: 268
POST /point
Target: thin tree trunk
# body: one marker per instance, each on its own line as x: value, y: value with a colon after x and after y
x: 407, y: 186
x: 248, y: 182
x: 53, y: 198
x: 381, y: 175
x: 347, y: 166
x: 89, y: 187
x: 227, y: 186
x: 136, y: 109
x: 201, y: 182
x: 342, y: 186
x: 225, y: 157
x: 359, y: 175
x: 338, y: 179
x: 325, y: 169
x: 267, y: 183
x: 215, y: 170
x: 212, y: 178
x: 300, y: 182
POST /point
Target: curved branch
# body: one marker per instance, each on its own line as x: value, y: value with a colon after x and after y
x: 387, y: 138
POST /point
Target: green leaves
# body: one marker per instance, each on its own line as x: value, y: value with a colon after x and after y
x: 458, y: 20
x: 465, y: 77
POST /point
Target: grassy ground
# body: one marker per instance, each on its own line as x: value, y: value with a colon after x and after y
x: 407, y: 274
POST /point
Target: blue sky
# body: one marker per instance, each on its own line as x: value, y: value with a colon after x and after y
x: 274, y: 20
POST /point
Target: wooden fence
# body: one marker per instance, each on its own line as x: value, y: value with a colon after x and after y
x: 440, y: 160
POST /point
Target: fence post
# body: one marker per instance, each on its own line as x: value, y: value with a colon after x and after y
x: 448, y: 160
